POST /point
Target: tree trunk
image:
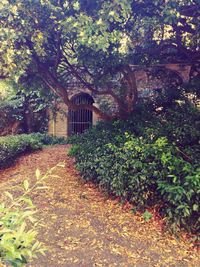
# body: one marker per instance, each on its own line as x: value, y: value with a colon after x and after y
x: 125, y: 106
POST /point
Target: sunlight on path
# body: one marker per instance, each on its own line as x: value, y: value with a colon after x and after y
x: 83, y: 228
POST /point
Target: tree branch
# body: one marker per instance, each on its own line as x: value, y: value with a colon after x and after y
x: 90, y: 86
x: 59, y: 90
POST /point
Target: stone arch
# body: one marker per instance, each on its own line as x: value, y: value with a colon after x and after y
x: 81, y: 119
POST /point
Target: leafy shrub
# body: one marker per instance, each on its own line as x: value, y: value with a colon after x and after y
x: 53, y: 140
x: 145, y: 162
x: 14, y: 145
x: 10, y: 113
x: 23, y: 107
x: 18, y: 226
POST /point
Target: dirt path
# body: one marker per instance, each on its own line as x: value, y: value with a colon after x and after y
x: 83, y: 228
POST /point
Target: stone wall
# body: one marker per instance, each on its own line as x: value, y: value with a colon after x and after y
x: 58, y: 125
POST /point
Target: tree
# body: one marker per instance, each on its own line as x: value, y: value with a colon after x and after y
x: 97, y: 44
x: 23, y: 107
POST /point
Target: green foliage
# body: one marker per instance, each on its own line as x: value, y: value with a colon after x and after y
x: 99, y: 45
x: 13, y: 146
x: 19, y: 224
x: 53, y: 140
x: 147, y: 216
x: 145, y: 160
x: 16, y: 241
x: 118, y: 28
x: 24, y: 106
x: 6, y: 89
x: 10, y: 112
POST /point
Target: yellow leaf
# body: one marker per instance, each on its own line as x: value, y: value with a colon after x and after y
x: 37, y: 174
x: 26, y: 185
x: 9, y: 195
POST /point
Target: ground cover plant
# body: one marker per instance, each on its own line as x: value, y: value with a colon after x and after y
x: 14, y: 145
x: 151, y: 158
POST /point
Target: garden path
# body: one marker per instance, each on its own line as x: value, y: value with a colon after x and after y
x: 85, y: 228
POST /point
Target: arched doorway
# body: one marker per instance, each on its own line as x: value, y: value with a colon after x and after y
x: 80, y: 120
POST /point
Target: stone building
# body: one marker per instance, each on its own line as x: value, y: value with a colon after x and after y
x: 68, y: 122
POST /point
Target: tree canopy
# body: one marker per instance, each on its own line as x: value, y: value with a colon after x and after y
x: 97, y: 44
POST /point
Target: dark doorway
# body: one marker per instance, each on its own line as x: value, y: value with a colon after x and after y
x: 80, y: 120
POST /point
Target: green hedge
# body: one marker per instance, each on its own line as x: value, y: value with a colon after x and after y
x: 14, y: 145
x: 135, y: 161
